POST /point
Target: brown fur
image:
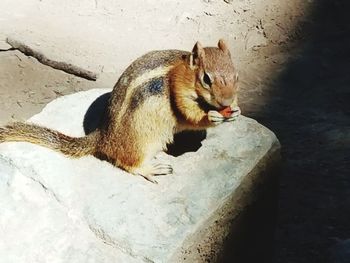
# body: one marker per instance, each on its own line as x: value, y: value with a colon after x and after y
x: 75, y: 147
x: 161, y: 93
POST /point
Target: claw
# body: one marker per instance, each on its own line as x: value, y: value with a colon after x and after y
x: 162, y: 169
x: 215, y: 117
x: 236, y: 112
x: 149, y: 177
x: 148, y: 172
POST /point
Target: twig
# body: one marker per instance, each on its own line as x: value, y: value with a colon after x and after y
x: 66, y: 67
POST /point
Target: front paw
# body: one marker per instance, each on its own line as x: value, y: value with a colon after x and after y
x: 215, y: 117
x: 236, y: 111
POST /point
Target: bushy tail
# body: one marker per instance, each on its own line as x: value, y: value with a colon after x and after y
x: 71, y: 146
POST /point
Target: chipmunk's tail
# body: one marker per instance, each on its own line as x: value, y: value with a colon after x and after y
x: 71, y: 146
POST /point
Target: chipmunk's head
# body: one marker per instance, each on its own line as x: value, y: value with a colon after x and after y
x: 217, y: 79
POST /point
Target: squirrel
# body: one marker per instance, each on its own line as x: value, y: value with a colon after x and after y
x: 159, y: 94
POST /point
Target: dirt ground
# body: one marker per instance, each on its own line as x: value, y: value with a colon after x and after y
x: 298, y: 85
x: 309, y: 110
x: 307, y: 105
x: 26, y: 86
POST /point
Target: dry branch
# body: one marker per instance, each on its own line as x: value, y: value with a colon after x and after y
x: 66, y: 67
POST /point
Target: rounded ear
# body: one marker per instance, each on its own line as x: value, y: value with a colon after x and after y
x: 198, y: 54
x: 223, y: 46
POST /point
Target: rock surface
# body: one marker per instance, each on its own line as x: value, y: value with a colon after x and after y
x: 55, y: 209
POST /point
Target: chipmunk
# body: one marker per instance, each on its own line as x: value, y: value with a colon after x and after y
x: 159, y: 94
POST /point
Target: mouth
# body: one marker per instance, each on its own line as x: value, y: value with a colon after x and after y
x: 227, y: 111
x: 224, y: 110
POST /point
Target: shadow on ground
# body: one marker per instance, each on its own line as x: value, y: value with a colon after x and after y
x: 309, y: 111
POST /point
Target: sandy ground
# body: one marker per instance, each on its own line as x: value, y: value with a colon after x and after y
x: 293, y: 70
x: 26, y: 86
x: 104, y: 37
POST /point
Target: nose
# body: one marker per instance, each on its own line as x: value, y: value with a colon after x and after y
x: 226, y: 102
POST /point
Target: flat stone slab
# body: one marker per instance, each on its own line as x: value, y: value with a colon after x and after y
x: 56, y: 209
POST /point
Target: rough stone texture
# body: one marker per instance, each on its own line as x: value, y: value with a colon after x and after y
x: 55, y: 209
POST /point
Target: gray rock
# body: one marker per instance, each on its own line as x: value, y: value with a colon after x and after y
x: 56, y: 209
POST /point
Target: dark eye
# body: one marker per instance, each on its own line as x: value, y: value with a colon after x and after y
x: 206, y: 79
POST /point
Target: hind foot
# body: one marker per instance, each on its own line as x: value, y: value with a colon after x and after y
x: 148, y: 172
